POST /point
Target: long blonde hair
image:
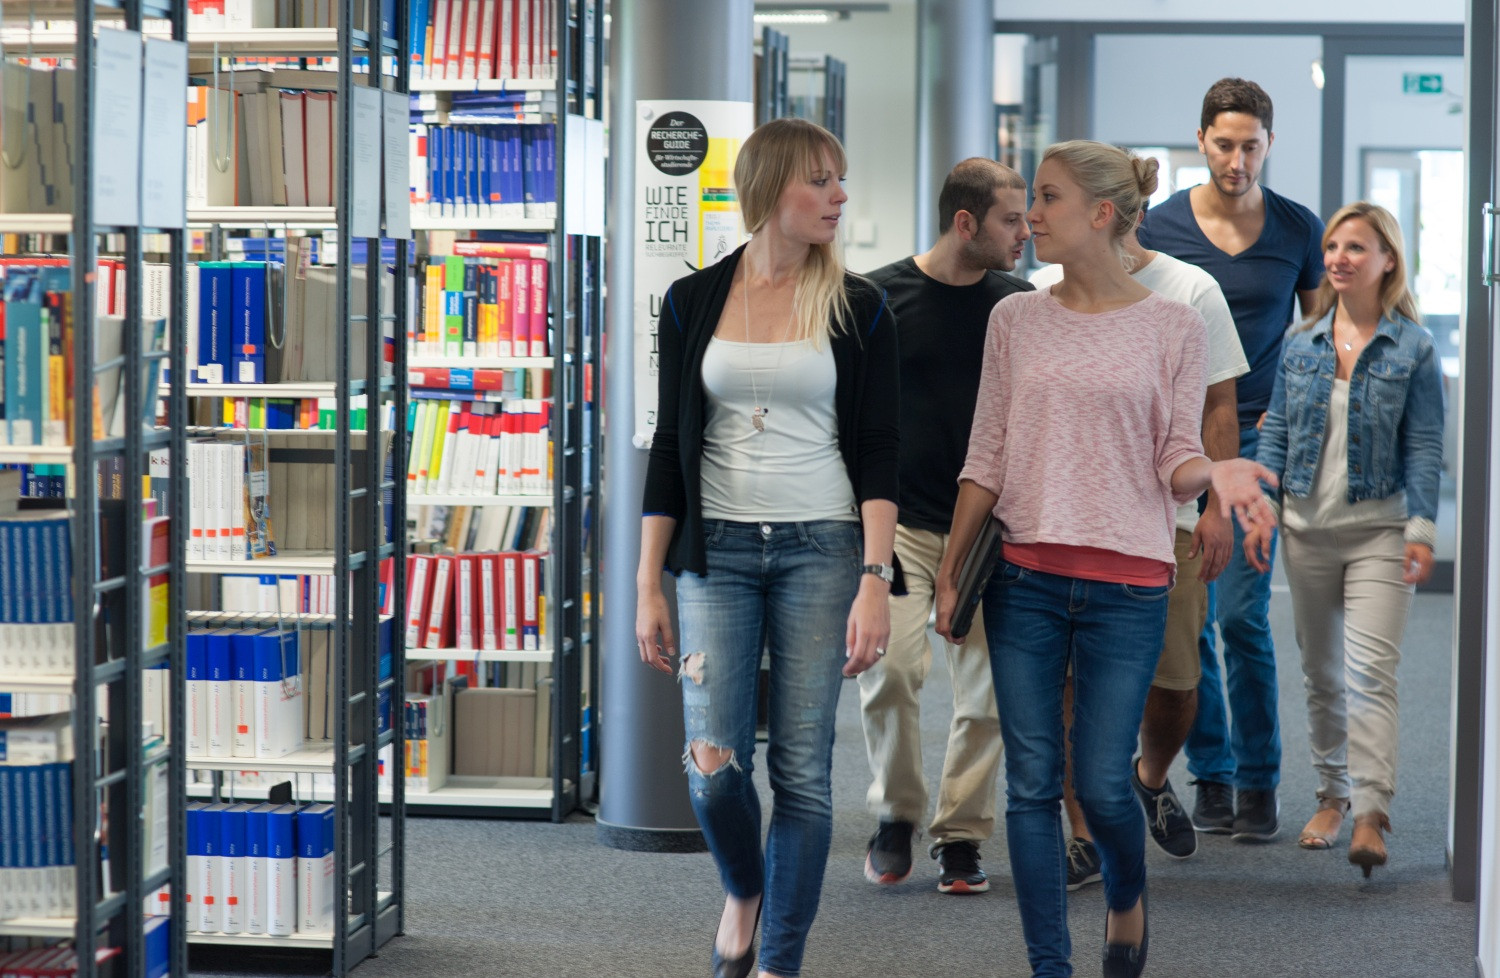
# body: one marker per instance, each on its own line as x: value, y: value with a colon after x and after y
x: 774, y: 155
x: 1395, y: 297
x: 1106, y: 172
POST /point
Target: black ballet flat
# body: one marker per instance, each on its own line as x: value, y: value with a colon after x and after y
x: 742, y: 966
x: 739, y: 967
x: 1127, y: 960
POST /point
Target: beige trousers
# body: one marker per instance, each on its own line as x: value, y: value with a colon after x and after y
x: 1350, y: 576
x: 888, y: 696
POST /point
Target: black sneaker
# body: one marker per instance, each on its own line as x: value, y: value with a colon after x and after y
x: 1213, y: 812
x: 1255, y: 811
x: 959, y: 862
x: 1083, y: 863
x: 1166, y: 820
x: 888, y: 859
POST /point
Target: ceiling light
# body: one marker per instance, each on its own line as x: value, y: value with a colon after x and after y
x: 795, y: 17
x: 1317, y: 74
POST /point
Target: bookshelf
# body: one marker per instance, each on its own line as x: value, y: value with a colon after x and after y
x: 569, y: 96
x: 335, y: 478
x: 566, y: 95
x: 115, y: 801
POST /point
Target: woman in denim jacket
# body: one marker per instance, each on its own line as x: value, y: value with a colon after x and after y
x: 1355, y: 431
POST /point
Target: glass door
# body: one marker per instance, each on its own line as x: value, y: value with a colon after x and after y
x: 1403, y: 150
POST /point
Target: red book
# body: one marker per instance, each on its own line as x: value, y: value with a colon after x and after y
x: 538, y: 321
x: 427, y: 376
x: 465, y: 593
x: 418, y: 582
x: 484, y: 249
x: 489, y: 576
x: 520, y: 294
x: 438, y: 25
x: 509, y: 601
x: 388, y: 586
x: 486, y: 54
x: 505, y: 309
x: 473, y: 15
x: 531, y: 589
x: 439, y: 631
x: 487, y: 379
x: 453, y: 67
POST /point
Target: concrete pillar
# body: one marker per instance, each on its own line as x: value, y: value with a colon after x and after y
x: 955, y: 100
x: 659, y: 49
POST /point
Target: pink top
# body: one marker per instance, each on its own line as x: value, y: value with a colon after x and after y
x: 1082, y: 419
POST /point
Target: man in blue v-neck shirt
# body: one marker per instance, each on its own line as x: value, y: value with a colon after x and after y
x: 1264, y: 250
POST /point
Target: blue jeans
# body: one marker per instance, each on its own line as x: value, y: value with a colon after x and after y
x: 1241, y: 747
x: 1112, y: 633
x: 787, y: 586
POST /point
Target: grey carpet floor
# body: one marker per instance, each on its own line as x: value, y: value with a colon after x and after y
x: 535, y: 899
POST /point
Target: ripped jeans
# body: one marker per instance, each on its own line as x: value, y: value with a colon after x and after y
x: 787, y: 587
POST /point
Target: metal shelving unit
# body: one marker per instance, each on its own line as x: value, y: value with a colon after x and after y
x: 575, y: 325
x: 110, y: 769
x: 368, y: 851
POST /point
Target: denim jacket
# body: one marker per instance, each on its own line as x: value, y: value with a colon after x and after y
x: 1395, y: 416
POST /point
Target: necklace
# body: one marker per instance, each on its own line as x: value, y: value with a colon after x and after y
x: 758, y: 411
x: 1348, y: 345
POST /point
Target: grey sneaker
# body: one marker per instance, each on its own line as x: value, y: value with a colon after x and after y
x: 888, y: 860
x: 1166, y: 820
x: 1213, y: 812
x: 1084, y: 866
x: 1255, y: 815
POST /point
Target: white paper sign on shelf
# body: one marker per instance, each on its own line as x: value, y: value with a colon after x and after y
x: 584, y: 180
x: 163, y: 192
x: 116, y: 188
x: 364, y: 191
x: 686, y: 215
x: 397, y: 166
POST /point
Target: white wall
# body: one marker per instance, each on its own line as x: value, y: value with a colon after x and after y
x: 879, y: 124
x: 1266, y: 11
x: 1169, y: 73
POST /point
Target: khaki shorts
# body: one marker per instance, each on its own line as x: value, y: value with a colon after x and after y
x: 1187, y: 606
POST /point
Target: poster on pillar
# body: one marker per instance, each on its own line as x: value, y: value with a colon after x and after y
x: 687, y: 216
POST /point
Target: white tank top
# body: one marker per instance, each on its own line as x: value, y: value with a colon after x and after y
x: 792, y: 471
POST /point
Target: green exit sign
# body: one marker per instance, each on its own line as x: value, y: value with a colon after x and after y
x: 1415, y: 84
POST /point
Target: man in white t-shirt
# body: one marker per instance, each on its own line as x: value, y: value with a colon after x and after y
x: 1203, y: 546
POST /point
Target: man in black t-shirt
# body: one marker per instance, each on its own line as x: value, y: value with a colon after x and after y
x: 942, y: 301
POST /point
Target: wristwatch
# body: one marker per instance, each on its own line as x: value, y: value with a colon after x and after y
x: 885, y: 572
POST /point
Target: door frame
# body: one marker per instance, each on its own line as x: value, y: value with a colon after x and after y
x: 1468, y: 766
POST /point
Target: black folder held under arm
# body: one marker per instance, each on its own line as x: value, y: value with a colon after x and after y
x: 978, y: 565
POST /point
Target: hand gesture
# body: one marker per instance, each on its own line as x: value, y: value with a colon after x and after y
x: 1237, y: 482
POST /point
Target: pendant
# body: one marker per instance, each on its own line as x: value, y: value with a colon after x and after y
x: 757, y: 418
x: 1348, y: 346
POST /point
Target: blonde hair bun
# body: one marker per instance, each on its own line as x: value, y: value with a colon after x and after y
x: 1145, y: 174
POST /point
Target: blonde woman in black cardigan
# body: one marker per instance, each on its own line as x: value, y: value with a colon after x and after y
x: 771, y: 495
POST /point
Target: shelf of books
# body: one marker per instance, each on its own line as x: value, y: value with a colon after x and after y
x: 36, y: 224
x: 499, y: 366
x: 297, y: 170
x: 92, y: 839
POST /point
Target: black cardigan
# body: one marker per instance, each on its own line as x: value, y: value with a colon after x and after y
x: 866, y: 398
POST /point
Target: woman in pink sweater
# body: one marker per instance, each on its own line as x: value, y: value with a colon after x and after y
x: 1085, y: 439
